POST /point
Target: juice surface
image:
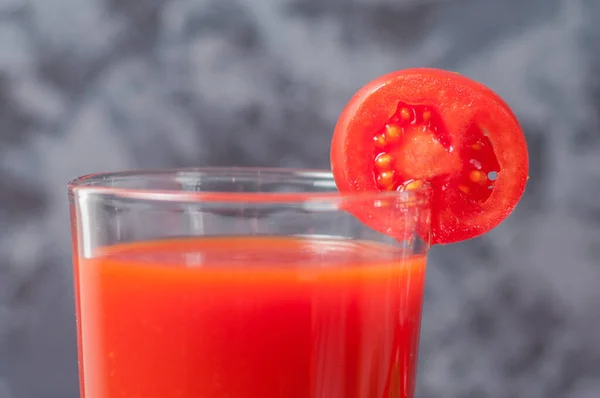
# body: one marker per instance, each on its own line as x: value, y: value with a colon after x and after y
x: 249, y: 318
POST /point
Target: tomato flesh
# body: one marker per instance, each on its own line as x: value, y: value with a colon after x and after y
x: 427, y: 127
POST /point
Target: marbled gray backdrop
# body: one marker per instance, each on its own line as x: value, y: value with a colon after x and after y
x: 98, y: 85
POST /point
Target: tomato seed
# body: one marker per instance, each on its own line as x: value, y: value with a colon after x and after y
x: 406, y: 114
x: 393, y: 132
x: 380, y: 140
x: 477, y: 176
x: 411, y: 185
x: 386, y: 179
x: 383, y: 161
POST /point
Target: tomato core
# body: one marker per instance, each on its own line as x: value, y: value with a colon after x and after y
x: 414, y: 148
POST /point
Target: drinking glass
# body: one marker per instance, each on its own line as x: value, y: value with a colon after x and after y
x: 246, y: 283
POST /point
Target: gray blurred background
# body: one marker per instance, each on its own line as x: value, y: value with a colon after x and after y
x: 100, y: 85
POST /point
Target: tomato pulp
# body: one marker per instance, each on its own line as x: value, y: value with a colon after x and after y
x: 428, y: 127
x: 249, y: 318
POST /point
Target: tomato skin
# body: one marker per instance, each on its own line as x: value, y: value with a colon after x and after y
x: 460, y: 103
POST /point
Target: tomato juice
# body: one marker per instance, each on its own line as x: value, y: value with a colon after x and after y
x: 244, y: 317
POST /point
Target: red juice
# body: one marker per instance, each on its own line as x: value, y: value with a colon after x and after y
x: 249, y: 318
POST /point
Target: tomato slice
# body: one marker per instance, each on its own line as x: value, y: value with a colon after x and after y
x: 429, y: 126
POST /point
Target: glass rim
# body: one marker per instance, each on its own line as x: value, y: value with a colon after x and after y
x: 102, y: 184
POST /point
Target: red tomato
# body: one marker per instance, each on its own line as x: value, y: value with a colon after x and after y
x: 427, y: 126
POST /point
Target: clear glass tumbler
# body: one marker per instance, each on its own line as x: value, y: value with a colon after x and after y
x: 245, y: 283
